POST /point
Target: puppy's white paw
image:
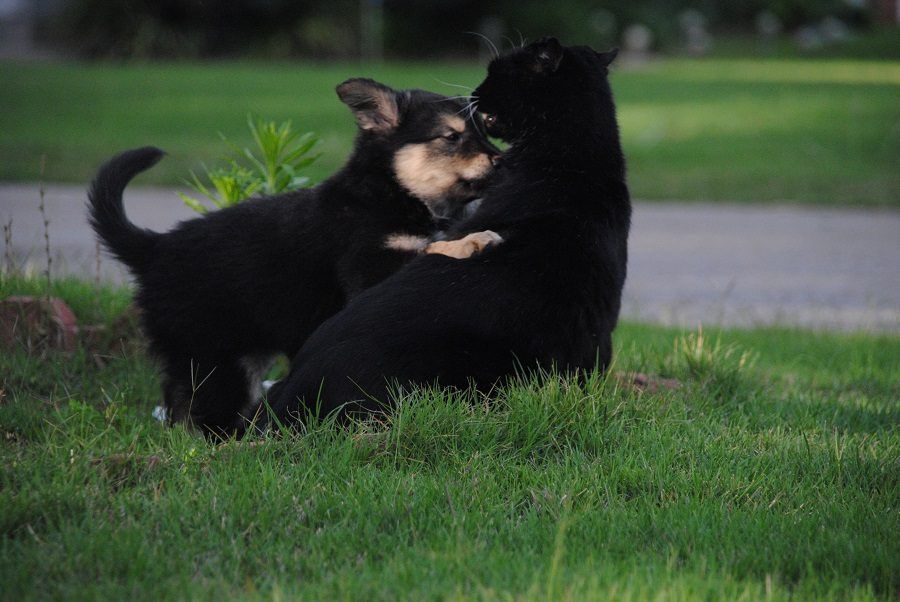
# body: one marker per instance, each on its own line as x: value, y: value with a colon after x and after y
x: 159, y: 412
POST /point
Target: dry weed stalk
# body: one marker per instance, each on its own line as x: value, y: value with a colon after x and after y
x: 46, y: 219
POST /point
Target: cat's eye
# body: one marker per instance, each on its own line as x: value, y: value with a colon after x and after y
x: 452, y: 137
x: 490, y: 120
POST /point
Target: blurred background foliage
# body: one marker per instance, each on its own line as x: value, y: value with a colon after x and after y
x: 718, y: 100
x: 341, y: 29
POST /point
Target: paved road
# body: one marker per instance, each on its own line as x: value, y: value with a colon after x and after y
x: 690, y: 263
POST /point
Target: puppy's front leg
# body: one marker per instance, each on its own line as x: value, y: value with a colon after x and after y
x: 465, y: 247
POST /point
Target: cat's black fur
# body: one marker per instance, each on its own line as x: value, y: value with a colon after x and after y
x: 222, y: 294
x: 548, y: 295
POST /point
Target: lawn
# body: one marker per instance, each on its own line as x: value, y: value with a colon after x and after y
x: 773, y: 471
x: 825, y: 131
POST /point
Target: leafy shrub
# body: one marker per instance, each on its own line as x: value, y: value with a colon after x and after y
x: 283, y: 155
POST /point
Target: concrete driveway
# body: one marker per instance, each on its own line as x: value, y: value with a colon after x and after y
x: 689, y: 263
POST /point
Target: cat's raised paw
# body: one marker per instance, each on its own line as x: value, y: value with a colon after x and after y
x: 465, y: 247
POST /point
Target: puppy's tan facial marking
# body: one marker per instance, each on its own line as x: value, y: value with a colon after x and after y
x: 455, y: 123
x: 465, y: 247
x: 432, y: 172
x: 405, y: 242
x: 419, y: 174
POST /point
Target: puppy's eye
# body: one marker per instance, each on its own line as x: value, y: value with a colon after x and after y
x: 452, y: 137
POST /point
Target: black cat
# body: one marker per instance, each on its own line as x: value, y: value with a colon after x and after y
x: 548, y: 294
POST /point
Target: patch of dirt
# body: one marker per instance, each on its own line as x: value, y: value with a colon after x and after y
x: 125, y: 469
x: 37, y: 323
x: 647, y: 383
x: 41, y: 324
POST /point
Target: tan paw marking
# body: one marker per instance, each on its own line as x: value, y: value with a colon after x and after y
x: 465, y: 247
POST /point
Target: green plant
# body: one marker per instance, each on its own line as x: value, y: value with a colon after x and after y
x: 716, y: 365
x: 283, y: 155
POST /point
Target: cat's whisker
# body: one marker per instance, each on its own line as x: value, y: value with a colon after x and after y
x: 468, y: 107
x: 446, y: 98
x: 466, y: 88
x: 473, y: 109
x: 491, y: 45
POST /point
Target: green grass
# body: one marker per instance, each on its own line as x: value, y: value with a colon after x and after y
x: 881, y: 43
x: 777, y: 476
x: 823, y: 131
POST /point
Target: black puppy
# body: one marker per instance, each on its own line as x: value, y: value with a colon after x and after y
x: 548, y: 294
x: 221, y: 295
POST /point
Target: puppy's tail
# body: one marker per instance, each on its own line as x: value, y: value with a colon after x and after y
x: 128, y: 243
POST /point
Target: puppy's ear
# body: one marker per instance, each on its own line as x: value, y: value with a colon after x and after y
x: 607, y: 57
x: 548, y: 53
x: 374, y: 105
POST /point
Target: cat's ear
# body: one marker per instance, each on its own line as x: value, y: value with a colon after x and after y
x: 548, y: 53
x: 374, y: 105
x: 607, y: 57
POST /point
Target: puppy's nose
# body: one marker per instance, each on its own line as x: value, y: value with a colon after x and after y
x: 495, y: 159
